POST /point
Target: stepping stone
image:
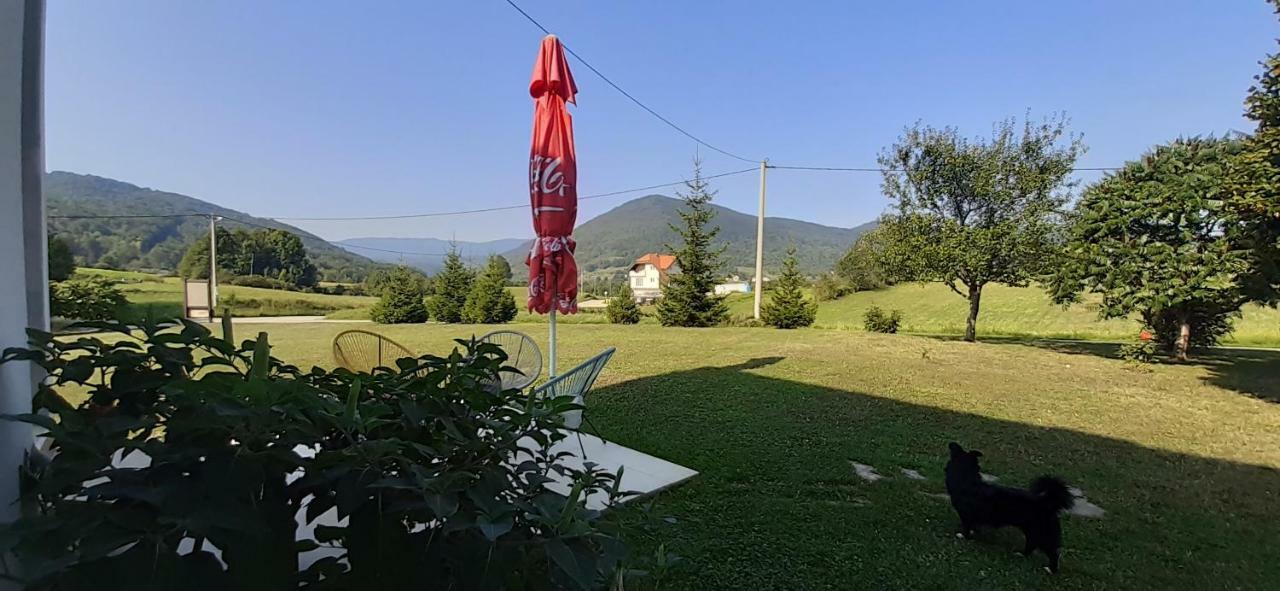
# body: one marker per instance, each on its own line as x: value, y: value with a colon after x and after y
x: 865, y: 472
x: 912, y: 474
x: 989, y: 478
x: 1083, y: 507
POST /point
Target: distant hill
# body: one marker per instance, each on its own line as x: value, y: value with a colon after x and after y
x: 157, y: 244
x: 474, y: 253
x: 613, y: 240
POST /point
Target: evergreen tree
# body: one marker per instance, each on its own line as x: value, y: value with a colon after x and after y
x: 1255, y: 203
x: 622, y: 308
x: 450, y: 288
x: 402, y: 297
x: 787, y: 307
x: 61, y: 264
x: 1152, y: 239
x: 688, y: 297
x: 489, y: 302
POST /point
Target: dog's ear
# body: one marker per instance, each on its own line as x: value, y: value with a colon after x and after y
x: 975, y: 453
x: 955, y: 448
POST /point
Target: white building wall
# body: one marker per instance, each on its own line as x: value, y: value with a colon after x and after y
x: 23, y: 290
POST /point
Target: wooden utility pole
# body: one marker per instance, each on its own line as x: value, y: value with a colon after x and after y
x: 213, y: 265
x: 759, y: 288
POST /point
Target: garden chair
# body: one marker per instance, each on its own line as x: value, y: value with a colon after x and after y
x: 576, y: 383
x: 362, y: 351
x: 522, y: 354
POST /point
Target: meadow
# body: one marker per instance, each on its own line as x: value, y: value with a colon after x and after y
x: 1183, y: 458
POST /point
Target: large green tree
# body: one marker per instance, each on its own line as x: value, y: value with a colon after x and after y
x: 788, y: 307
x: 688, y: 296
x: 861, y: 267
x: 1155, y: 239
x: 972, y: 212
x: 450, y: 288
x: 489, y: 301
x: 61, y: 264
x: 273, y: 253
x: 1255, y: 200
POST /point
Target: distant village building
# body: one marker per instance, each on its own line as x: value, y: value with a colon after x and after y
x: 649, y: 273
x: 733, y: 286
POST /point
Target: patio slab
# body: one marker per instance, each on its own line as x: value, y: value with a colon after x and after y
x: 642, y: 473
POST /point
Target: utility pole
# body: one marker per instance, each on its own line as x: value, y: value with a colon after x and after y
x: 759, y: 288
x: 213, y: 265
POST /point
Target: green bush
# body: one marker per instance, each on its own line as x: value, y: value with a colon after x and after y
x: 622, y: 308
x: 61, y: 264
x: 1143, y: 351
x: 489, y: 301
x: 401, y: 301
x: 88, y: 298
x: 424, y: 462
x: 259, y: 281
x: 877, y: 320
x: 830, y: 287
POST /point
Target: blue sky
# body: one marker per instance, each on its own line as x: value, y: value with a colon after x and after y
x: 314, y: 108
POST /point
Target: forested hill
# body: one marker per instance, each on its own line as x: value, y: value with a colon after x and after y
x: 157, y: 244
x: 613, y: 240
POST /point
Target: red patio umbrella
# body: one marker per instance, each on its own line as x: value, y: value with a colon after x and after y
x: 553, y: 189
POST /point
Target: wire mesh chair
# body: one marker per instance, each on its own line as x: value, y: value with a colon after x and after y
x: 362, y: 351
x: 576, y: 383
x: 522, y: 354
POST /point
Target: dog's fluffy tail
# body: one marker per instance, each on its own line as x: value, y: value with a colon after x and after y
x: 1053, y: 492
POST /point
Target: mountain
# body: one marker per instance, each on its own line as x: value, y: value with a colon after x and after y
x: 613, y: 240
x: 473, y: 253
x: 157, y: 244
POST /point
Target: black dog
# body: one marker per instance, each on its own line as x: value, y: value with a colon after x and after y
x: 1034, y: 511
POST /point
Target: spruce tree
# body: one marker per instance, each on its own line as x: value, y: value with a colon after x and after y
x: 489, y: 301
x: 449, y: 289
x: 1255, y: 203
x: 401, y: 301
x: 787, y: 307
x: 687, y: 297
x: 622, y: 308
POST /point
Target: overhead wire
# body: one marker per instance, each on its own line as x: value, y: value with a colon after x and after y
x: 629, y: 96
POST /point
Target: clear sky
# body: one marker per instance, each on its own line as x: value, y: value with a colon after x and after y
x: 311, y: 108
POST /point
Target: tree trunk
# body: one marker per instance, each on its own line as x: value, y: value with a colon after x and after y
x: 1183, y: 344
x: 975, y: 301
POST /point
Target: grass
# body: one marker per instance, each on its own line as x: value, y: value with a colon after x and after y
x: 1006, y: 311
x: 162, y: 296
x: 1184, y: 458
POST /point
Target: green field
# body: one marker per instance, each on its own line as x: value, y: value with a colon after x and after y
x: 1006, y: 311
x: 162, y: 296
x: 1185, y: 459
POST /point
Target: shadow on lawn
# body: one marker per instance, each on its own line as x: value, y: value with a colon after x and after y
x: 777, y: 505
x: 1252, y: 372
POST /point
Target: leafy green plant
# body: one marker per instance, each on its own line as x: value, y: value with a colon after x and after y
x: 877, y: 320
x: 622, y: 308
x: 187, y: 441
x: 830, y: 287
x: 88, y: 298
x: 1143, y: 351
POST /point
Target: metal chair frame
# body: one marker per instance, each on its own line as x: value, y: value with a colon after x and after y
x: 384, y: 354
x: 522, y: 353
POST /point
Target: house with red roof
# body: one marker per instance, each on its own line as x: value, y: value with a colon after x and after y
x: 649, y: 273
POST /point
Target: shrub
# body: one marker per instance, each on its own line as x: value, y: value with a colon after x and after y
x: 1143, y: 351
x: 787, y: 306
x: 401, y: 301
x: 260, y: 281
x: 90, y: 298
x: 830, y: 287
x: 876, y: 320
x: 489, y: 301
x: 210, y: 431
x: 622, y: 308
x: 61, y: 264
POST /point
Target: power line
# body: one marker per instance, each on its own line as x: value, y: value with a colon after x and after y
x: 128, y: 216
x: 854, y: 169
x: 627, y: 94
x: 498, y: 208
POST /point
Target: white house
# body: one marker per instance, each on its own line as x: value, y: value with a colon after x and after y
x: 735, y: 286
x: 649, y: 273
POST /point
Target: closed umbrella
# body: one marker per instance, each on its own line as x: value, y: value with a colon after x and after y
x: 553, y: 190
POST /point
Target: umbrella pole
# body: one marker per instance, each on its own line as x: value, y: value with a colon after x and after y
x: 552, y: 348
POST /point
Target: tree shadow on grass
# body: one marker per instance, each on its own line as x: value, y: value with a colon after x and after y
x: 1252, y: 372
x: 777, y: 505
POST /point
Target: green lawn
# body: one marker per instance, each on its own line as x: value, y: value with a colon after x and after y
x: 1185, y: 459
x: 1006, y: 311
x: 162, y: 296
